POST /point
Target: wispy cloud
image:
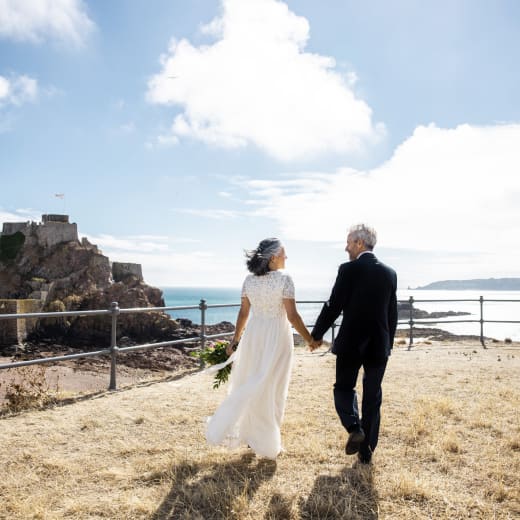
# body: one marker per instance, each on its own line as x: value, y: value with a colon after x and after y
x: 167, y: 260
x: 257, y: 85
x: 216, y: 214
x: 130, y: 244
x: 19, y: 215
x: 38, y: 20
x: 443, y: 189
x: 17, y: 90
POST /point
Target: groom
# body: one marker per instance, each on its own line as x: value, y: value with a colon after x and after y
x: 365, y: 290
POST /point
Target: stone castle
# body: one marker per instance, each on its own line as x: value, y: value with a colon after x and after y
x: 36, y: 292
x: 52, y: 230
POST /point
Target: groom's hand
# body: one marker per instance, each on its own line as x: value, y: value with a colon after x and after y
x: 315, y: 344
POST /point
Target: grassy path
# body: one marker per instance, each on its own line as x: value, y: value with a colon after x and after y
x: 449, y: 449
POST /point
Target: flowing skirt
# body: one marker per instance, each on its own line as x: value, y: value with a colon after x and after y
x: 254, y: 407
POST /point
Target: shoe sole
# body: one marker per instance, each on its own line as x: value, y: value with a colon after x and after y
x: 354, y: 442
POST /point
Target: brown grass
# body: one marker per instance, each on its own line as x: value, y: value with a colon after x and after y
x: 449, y: 449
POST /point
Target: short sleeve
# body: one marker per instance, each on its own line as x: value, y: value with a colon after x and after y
x: 288, y: 287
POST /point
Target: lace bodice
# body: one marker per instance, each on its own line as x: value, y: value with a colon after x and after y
x: 266, y: 293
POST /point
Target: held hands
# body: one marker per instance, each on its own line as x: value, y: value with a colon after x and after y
x: 314, y: 344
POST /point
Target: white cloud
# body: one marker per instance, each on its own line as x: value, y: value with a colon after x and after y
x: 442, y: 190
x: 169, y: 261
x: 37, y: 20
x: 216, y: 214
x: 19, y: 215
x: 18, y: 90
x: 129, y: 244
x: 257, y: 85
x: 4, y: 87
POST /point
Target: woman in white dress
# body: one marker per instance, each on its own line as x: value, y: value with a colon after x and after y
x: 253, y: 410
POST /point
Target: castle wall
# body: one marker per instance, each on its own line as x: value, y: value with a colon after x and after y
x: 52, y: 233
x: 10, y: 228
x: 64, y: 219
x: 14, y: 332
x: 120, y: 270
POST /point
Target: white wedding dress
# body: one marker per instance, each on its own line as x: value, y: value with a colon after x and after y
x: 253, y: 410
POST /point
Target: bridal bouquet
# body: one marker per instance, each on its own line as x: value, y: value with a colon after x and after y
x: 215, y: 354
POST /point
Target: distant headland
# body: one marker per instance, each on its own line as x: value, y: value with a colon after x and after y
x: 480, y: 284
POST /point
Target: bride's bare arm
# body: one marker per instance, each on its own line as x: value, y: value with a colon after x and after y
x: 243, y: 314
x: 296, y: 320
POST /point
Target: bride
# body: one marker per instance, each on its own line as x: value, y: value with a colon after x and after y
x: 253, y: 410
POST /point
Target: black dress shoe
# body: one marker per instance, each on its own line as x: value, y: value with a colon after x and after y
x: 355, y: 438
x: 364, y: 457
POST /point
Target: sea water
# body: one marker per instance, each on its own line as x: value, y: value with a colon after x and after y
x: 464, y: 301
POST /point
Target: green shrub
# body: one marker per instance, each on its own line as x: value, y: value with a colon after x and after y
x: 10, y: 245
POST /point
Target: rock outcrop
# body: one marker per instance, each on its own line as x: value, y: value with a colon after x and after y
x: 47, y: 263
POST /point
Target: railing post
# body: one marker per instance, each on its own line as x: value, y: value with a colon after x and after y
x: 410, y: 301
x: 114, y: 310
x: 482, y: 322
x: 202, y: 307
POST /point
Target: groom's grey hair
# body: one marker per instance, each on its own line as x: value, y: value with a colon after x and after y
x: 365, y: 233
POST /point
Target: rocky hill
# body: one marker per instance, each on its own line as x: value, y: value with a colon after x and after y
x: 47, y: 263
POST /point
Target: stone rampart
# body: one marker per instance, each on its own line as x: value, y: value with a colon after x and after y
x: 10, y: 228
x: 120, y: 270
x: 52, y: 233
x: 54, y: 229
x: 64, y: 219
x: 12, y: 331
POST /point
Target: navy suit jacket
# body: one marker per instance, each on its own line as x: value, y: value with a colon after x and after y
x: 365, y: 291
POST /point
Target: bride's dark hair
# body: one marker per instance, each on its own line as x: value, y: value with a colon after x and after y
x: 258, y: 259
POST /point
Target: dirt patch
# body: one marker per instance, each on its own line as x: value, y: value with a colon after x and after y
x: 92, y: 374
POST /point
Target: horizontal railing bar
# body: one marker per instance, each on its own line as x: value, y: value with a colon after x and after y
x: 500, y: 321
x: 58, y: 314
x: 439, y: 321
x: 212, y: 336
x: 509, y: 301
x: 55, y: 359
x: 100, y: 312
x: 442, y: 300
x: 160, y: 344
x: 154, y: 309
x: 220, y: 305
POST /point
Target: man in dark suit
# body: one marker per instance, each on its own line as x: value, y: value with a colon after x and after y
x: 365, y: 291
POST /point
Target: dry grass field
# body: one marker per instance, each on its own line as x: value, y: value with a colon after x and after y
x: 449, y: 449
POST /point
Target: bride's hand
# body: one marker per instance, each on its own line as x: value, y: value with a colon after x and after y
x: 314, y: 344
x: 231, y: 348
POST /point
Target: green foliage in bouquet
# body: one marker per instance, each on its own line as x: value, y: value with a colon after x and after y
x: 214, y: 354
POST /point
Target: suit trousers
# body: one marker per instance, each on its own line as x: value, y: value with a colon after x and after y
x: 345, y: 397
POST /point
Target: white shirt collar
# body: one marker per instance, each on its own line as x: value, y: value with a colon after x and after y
x: 364, y: 252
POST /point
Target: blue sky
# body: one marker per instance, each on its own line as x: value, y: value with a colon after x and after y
x: 182, y: 132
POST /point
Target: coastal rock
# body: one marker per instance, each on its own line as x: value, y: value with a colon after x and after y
x: 403, y: 310
x: 46, y: 262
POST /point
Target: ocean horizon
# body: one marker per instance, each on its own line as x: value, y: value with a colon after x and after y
x: 493, y: 309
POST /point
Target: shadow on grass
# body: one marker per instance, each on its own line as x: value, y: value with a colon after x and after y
x: 350, y: 494
x: 214, y: 490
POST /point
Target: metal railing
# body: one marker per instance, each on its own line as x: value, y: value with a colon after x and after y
x: 411, y: 322
x: 114, y: 311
